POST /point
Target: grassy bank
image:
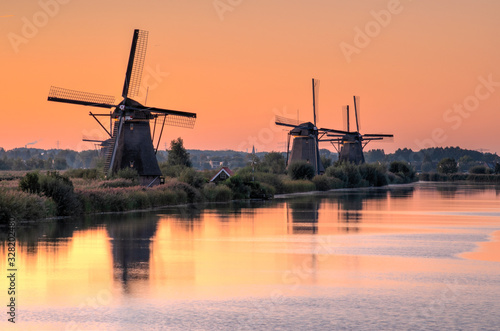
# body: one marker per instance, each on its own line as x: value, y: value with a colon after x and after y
x: 474, y: 178
x: 43, y: 195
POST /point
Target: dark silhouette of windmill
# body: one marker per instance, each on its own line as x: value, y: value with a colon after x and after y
x: 350, y: 145
x: 306, y: 138
x: 130, y: 144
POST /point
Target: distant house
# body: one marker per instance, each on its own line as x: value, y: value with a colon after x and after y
x: 223, y: 174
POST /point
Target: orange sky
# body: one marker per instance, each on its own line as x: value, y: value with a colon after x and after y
x: 237, y: 63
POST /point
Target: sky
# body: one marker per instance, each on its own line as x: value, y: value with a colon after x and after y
x: 426, y: 71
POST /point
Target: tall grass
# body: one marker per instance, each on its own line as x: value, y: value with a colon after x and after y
x: 25, y: 206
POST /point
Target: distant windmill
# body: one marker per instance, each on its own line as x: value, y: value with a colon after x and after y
x: 130, y: 144
x: 307, y: 137
x: 351, y: 144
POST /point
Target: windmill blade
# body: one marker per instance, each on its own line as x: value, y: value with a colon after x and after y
x: 378, y: 135
x: 58, y: 94
x: 345, y: 117
x: 315, y: 87
x: 331, y: 132
x: 174, y: 117
x: 280, y: 120
x: 357, y: 112
x: 135, y: 64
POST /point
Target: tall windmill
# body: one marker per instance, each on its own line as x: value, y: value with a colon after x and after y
x: 350, y: 145
x: 130, y: 144
x: 306, y: 137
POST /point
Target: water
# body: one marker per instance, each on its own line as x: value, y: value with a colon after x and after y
x: 411, y: 257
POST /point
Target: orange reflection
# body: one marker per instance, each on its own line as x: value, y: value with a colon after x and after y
x: 488, y: 251
x: 66, y: 273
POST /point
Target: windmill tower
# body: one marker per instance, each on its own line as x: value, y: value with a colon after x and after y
x: 350, y: 145
x: 130, y: 144
x: 306, y: 137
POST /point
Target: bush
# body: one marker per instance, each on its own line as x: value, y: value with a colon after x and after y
x: 447, y: 166
x: 301, y: 170
x: 479, y: 169
x: 404, y: 172
x: 217, y: 193
x: 373, y: 174
x: 238, y: 187
x: 30, y: 183
x: 172, y: 171
x: 60, y: 189
x: 127, y: 173
x: 276, y: 181
x: 351, y: 173
x: 55, y: 186
x: 335, y: 172
x: 85, y: 173
x: 20, y: 205
x: 192, y: 177
x: 325, y: 183
x: 118, y: 182
x: 294, y: 186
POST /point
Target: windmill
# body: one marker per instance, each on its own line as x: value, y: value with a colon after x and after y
x: 130, y: 144
x: 351, y: 144
x: 306, y: 137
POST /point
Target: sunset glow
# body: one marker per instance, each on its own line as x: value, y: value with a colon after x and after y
x: 426, y: 71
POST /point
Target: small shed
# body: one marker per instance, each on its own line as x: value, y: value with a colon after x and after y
x: 223, y: 174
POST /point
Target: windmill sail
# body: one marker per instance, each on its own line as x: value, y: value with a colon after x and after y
x: 357, y: 112
x: 59, y: 94
x: 135, y: 64
x: 315, y: 86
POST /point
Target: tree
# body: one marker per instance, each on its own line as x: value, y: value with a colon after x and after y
x: 275, y: 162
x: 375, y: 155
x: 177, y: 154
x: 326, y: 161
x: 447, y: 166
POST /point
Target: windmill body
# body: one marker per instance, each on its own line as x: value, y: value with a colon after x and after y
x: 130, y: 143
x: 352, y: 149
x: 306, y: 138
x: 350, y: 145
x: 305, y: 146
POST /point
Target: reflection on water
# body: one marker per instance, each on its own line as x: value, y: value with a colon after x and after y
x: 256, y: 264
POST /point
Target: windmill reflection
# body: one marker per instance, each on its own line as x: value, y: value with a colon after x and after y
x: 130, y: 243
x: 302, y: 215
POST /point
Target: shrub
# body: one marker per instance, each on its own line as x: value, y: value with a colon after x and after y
x: 21, y: 205
x: 93, y: 173
x: 479, y: 169
x: 192, y: 177
x: 30, y: 183
x: 403, y: 170
x: 447, y: 166
x: 294, y: 186
x: 118, y: 182
x: 276, y: 181
x: 127, y: 173
x: 60, y: 189
x: 335, y: 172
x: 172, y: 171
x: 322, y: 182
x: 192, y: 195
x: 238, y: 187
x: 217, y: 193
x: 373, y: 174
x: 352, y: 175
x: 301, y: 170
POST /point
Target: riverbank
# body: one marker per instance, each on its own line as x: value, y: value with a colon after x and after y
x: 36, y: 195
x: 460, y: 177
